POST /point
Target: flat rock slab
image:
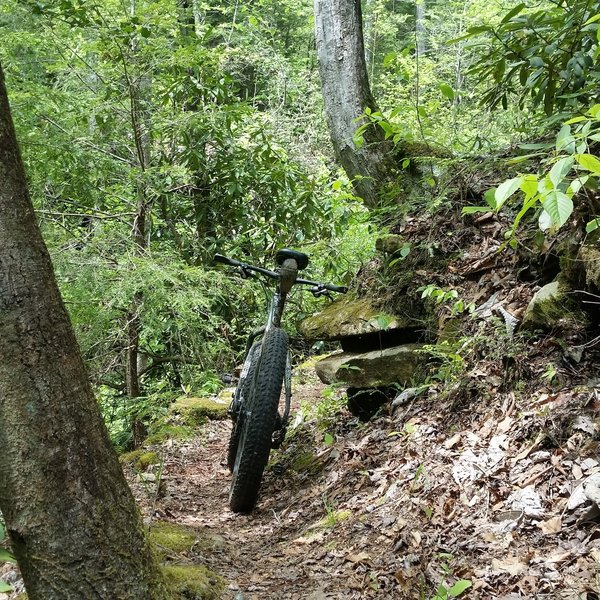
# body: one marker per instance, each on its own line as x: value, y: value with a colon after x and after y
x: 348, y: 318
x: 378, y: 368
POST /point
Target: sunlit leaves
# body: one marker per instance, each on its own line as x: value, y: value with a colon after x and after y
x: 551, y: 53
x: 506, y: 190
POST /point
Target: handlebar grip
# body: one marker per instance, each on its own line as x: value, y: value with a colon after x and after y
x: 219, y: 258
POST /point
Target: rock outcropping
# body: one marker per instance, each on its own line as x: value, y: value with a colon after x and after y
x: 381, y: 352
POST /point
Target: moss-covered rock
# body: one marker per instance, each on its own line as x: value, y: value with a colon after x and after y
x: 590, y: 258
x: 553, y: 307
x: 193, y: 411
x: 170, y: 538
x: 162, y: 431
x: 378, y: 368
x: 347, y: 318
x: 141, y: 459
x: 193, y: 582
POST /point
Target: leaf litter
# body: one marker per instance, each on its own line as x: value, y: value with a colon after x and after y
x: 423, y: 496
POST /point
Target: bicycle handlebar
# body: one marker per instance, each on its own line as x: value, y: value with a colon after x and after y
x: 318, y: 288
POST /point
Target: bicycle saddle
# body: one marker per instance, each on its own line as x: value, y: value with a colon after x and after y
x: 299, y: 257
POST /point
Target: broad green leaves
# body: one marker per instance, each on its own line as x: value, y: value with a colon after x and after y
x: 589, y: 162
x: 545, y: 55
x: 447, y: 91
x: 505, y: 190
x: 554, y: 190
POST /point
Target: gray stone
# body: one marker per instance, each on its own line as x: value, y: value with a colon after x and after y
x: 552, y: 306
x: 378, y: 368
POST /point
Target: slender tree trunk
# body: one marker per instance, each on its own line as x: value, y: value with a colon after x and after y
x: 420, y: 32
x: 140, y: 124
x: 346, y: 95
x: 70, y: 515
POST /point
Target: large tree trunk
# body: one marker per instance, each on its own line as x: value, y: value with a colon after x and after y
x: 72, y: 521
x: 346, y: 95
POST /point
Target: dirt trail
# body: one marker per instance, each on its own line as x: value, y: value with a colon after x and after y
x: 262, y: 555
x: 486, y: 492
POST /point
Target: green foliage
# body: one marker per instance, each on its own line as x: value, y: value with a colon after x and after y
x: 5, y: 556
x: 454, y: 591
x: 546, y: 53
x: 568, y: 168
x: 446, y: 297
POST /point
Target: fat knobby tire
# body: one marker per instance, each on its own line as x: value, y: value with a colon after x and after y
x: 257, y: 422
x: 246, y: 385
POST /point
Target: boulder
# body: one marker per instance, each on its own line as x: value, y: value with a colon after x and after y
x: 350, y: 318
x: 553, y: 307
x: 194, y: 411
x: 590, y: 257
x: 378, y: 368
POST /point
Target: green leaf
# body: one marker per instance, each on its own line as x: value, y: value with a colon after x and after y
x: 529, y: 186
x: 539, y: 146
x: 513, y: 13
x: 594, y: 110
x: 4, y: 587
x: 559, y: 206
x: 469, y: 210
x: 560, y: 170
x: 389, y: 130
x: 575, y: 120
x: 564, y: 139
x: 447, y: 91
x: 384, y: 321
x: 328, y: 439
x: 358, y: 140
x: 592, y: 225
x: 459, y: 587
x: 389, y: 58
x: 589, y: 162
x: 506, y: 189
x: 253, y: 20
x: 490, y: 197
x: 592, y: 20
x: 6, y: 556
x: 577, y: 184
x: 472, y: 31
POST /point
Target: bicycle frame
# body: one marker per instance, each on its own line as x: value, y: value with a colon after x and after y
x: 288, y: 275
x: 258, y: 424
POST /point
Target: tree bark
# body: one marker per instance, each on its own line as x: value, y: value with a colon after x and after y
x: 346, y: 95
x: 72, y: 521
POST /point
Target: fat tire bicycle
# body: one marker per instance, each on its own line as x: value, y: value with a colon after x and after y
x: 258, y: 424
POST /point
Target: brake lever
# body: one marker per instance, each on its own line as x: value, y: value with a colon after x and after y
x: 318, y: 292
x: 245, y: 273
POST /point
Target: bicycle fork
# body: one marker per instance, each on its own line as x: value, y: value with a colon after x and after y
x: 282, y: 420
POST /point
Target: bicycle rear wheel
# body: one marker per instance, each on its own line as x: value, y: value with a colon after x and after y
x: 245, y: 385
x: 257, y: 421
